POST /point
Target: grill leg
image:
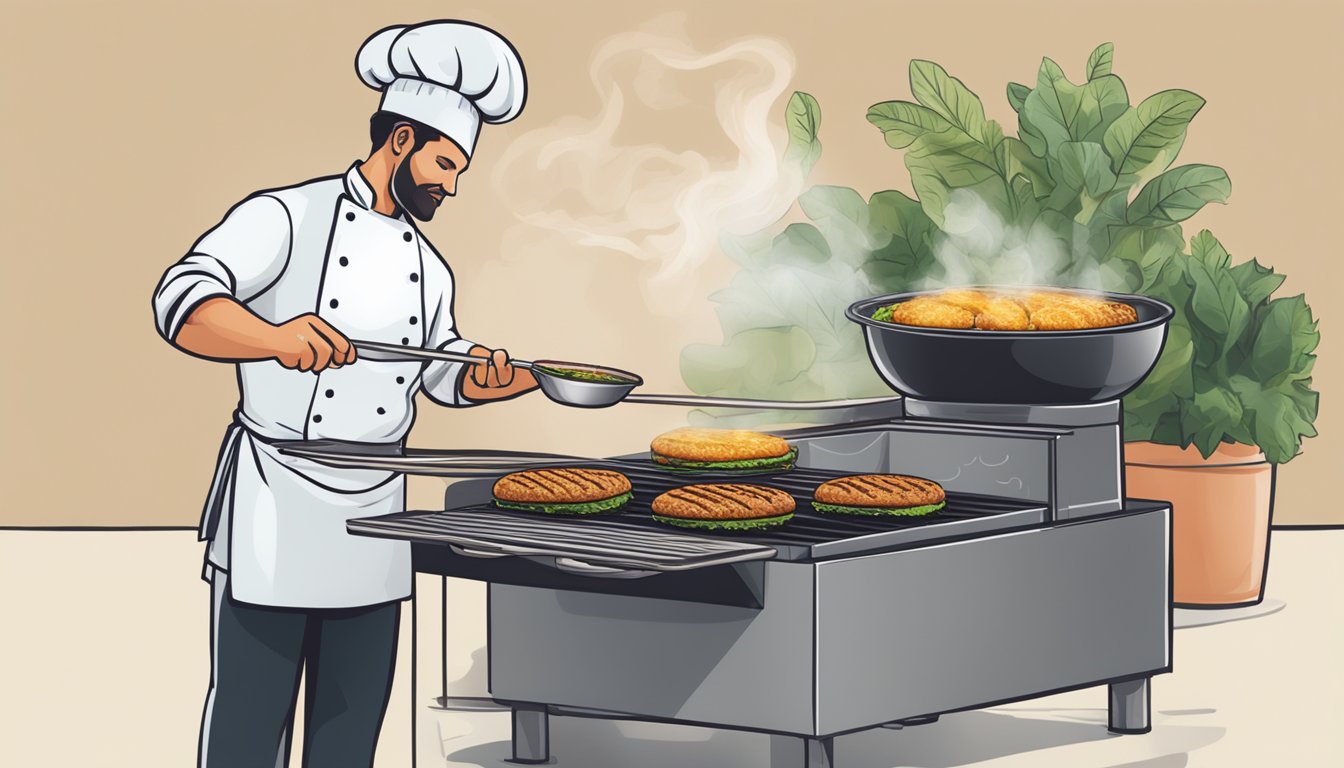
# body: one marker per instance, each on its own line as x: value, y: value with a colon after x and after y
x: 1130, y: 706
x: 789, y: 751
x: 531, y: 734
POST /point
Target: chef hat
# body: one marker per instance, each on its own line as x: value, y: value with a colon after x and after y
x: 449, y: 75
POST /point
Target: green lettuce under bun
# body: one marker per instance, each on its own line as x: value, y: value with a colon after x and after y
x: 579, y: 508
x: 754, y: 524
x: 774, y: 462
x: 840, y: 509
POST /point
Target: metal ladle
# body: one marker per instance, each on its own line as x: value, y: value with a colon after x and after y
x: 581, y: 393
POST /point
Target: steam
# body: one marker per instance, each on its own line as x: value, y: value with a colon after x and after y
x: 586, y: 180
x: 979, y: 248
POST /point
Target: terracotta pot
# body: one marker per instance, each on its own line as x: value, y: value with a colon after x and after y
x: 1221, y: 511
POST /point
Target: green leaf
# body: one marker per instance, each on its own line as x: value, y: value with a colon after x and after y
x: 947, y: 96
x: 1217, y: 308
x: 899, y: 261
x: 1017, y: 95
x: 1150, y: 249
x: 1205, y: 247
x: 800, y: 244
x: 941, y: 162
x: 1256, y: 282
x: 902, y: 122
x: 1016, y: 159
x: 1058, y: 111
x: 1285, y: 337
x: 1208, y: 416
x: 1145, y: 140
x: 842, y: 216
x: 1099, y: 63
x: 1083, y: 176
x: 802, y: 117
x: 1278, y: 416
x: 1178, y: 194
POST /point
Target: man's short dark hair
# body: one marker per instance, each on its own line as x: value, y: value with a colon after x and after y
x: 383, y: 123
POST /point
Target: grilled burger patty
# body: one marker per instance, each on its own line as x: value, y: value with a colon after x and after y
x: 1008, y: 311
x: 693, y: 448
x: 723, y: 505
x: 563, y: 490
x: 879, y: 495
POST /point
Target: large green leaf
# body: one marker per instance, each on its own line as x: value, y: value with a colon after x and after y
x: 1209, y: 416
x: 842, y: 216
x: 1145, y: 140
x: 941, y: 162
x: 1205, y: 247
x: 1150, y: 249
x: 1016, y: 159
x: 1217, y: 308
x: 904, y: 242
x: 1285, y: 337
x: 947, y: 96
x: 1278, y: 416
x: 799, y: 244
x: 803, y: 121
x: 1255, y: 281
x: 1178, y: 194
x: 1099, y: 63
x: 902, y: 122
x: 1082, y: 174
x: 1058, y: 111
x: 1017, y: 96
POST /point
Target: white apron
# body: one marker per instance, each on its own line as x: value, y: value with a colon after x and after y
x: 276, y: 523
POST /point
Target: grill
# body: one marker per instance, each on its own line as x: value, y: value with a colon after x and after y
x: 1038, y: 577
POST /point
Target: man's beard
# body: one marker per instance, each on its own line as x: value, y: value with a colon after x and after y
x: 412, y: 198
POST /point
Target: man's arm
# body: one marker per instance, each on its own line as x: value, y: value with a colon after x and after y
x: 223, y: 329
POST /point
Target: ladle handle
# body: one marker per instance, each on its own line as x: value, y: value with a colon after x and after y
x: 392, y: 352
x: 702, y: 401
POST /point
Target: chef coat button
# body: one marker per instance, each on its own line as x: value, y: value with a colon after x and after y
x: 415, y: 278
x: 335, y: 303
x: 401, y: 379
x: 414, y: 320
x: 405, y: 340
x: 349, y: 216
x: 345, y: 262
x: 381, y: 411
x: 318, y: 418
x: 406, y: 236
x: 330, y: 393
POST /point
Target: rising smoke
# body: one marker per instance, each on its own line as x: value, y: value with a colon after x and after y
x: 586, y: 180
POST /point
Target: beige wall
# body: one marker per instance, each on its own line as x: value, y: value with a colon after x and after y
x: 131, y: 127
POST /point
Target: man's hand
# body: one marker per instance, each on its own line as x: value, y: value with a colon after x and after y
x: 309, y: 343
x: 495, y: 378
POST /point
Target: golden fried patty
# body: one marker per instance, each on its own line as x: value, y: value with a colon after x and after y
x: 561, y: 486
x: 930, y: 313
x: 1035, y: 311
x: 723, y: 501
x: 887, y: 491
x: 1069, y: 312
x: 691, y: 444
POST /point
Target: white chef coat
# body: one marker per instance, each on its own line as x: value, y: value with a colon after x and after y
x: 275, y: 523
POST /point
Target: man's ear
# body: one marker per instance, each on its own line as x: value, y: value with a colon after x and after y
x: 403, y: 138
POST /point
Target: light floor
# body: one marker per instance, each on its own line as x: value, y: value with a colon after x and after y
x: 103, y: 663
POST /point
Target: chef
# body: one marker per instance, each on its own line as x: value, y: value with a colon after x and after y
x: 279, y: 288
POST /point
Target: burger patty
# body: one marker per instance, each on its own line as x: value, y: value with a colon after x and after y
x: 880, y: 491
x: 723, y: 501
x: 715, y: 445
x: 561, y: 486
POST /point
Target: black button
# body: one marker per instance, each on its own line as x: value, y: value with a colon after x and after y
x: 415, y: 278
x: 406, y: 236
x: 405, y: 340
x: 335, y: 303
x: 401, y: 379
x: 318, y: 418
x: 331, y: 393
x: 349, y: 216
x: 345, y: 262
x: 381, y: 411
x: 414, y: 320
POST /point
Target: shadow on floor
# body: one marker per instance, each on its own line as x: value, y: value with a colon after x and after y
x: 960, y: 739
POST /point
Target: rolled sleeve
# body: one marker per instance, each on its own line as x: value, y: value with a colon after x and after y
x: 442, y: 382
x: 240, y: 258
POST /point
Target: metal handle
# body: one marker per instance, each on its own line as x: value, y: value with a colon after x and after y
x: 376, y: 350
x: 701, y: 401
x: 477, y: 553
x: 581, y: 568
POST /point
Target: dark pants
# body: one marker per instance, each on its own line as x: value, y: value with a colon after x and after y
x: 257, y: 655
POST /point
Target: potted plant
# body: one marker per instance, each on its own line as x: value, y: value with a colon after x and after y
x: 1086, y: 196
x: 1229, y: 400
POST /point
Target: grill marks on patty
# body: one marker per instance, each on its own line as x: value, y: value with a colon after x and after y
x: 884, y: 490
x: 562, y: 485
x: 723, y: 501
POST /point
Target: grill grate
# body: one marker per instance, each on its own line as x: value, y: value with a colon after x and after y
x: 630, y: 538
